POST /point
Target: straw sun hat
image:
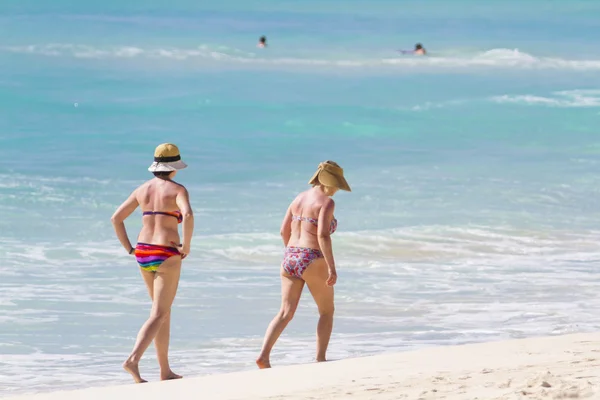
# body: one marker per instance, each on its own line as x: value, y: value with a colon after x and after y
x: 166, y: 159
x: 330, y: 174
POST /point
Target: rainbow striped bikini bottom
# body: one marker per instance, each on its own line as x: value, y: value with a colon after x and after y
x: 151, y: 256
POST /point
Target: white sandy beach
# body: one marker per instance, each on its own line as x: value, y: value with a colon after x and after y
x: 558, y: 367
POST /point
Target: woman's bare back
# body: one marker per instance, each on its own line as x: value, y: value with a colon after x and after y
x: 306, y: 209
x: 159, y: 195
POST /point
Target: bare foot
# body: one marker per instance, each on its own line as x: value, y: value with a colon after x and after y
x: 321, y: 360
x: 262, y: 364
x: 171, y: 375
x: 134, y: 370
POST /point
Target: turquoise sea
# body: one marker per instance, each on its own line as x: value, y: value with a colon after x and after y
x: 474, y: 214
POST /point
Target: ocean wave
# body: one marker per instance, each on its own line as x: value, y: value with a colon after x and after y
x: 377, y: 250
x: 433, y: 105
x: 95, y: 52
x: 495, y: 58
x: 580, y: 98
x: 428, y: 244
x: 565, y: 99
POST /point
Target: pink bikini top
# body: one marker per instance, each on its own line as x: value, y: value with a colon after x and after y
x: 314, y: 221
x: 176, y: 214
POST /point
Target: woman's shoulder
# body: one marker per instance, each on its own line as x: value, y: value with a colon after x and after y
x: 179, y: 186
x: 300, y: 196
x: 144, y: 186
x: 309, y: 200
x: 153, y: 186
x: 175, y: 186
x: 328, y: 203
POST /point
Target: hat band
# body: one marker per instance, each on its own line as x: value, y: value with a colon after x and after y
x: 167, y: 159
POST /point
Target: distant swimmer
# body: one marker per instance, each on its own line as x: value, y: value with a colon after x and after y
x: 262, y: 42
x: 419, y: 50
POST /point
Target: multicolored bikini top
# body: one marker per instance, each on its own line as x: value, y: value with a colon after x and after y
x: 314, y: 221
x: 176, y: 214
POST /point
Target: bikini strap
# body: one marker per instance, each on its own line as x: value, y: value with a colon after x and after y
x: 306, y: 219
x: 176, y: 214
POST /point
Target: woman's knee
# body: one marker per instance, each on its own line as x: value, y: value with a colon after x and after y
x: 327, y: 310
x: 286, y: 314
x: 160, y: 315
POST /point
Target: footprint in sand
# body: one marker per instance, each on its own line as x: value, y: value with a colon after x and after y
x: 505, y: 385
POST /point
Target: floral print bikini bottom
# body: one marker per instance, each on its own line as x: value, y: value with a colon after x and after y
x: 297, y: 259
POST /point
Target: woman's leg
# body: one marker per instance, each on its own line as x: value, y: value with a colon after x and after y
x: 291, y: 290
x: 165, y: 283
x: 315, y: 277
x: 161, y: 341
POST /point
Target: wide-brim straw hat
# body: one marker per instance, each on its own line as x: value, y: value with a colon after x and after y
x: 330, y: 175
x: 166, y: 159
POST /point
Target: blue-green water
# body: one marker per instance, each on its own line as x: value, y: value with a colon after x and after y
x: 474, y: 170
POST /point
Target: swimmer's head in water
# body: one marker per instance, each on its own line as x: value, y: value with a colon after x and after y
x: 418, y: 46
x: 263, y: 39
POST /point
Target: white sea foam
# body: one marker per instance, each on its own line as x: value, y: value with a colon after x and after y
x: 433, y: 105
x: 494, y: 58
x: 578, y: 98
x: 566, y: 99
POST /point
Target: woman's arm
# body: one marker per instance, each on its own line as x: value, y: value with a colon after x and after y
x: 119, y: 217
x: 286, y: 226
x: 183, y: 202
x: 324, y: 238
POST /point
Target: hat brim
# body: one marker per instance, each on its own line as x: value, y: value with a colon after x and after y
x: 328, y: 179
x: 167, y: 166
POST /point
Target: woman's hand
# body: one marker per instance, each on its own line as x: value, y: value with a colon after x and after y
x: 332, y: 278
x: 185, y: 250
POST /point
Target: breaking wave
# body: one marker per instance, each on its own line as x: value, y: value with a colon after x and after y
x: 564, y: 99
x: 495, y: 58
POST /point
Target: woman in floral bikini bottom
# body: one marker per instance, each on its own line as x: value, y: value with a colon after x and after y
x: 306, y: 231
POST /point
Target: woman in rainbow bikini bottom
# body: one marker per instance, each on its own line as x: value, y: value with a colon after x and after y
x: 158, y: 251
x: 308, y: 258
